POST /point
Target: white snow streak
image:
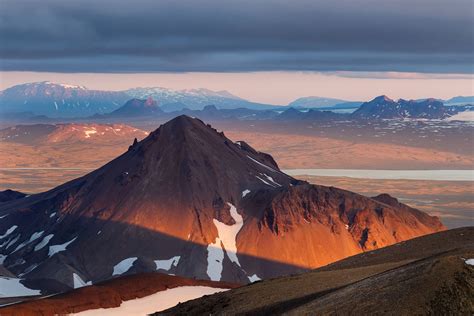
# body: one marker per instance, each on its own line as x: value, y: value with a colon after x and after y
x: 78, y: 282
x: 470, y: 262
x: 58, y: 248
x: 265, y: 181
x: 271, y: 180
x: 123, y: 266
x: 43, y: 242
x: 261, y: 164
x: 9, y: 231
x: 166, y: 264
x: 245, y: 192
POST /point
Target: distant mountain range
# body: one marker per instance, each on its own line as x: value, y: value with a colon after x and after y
x: 460, y: 100
x: 59, y: 100
x: 381, y: 107
x: 194, y: 99
x: 320, y: 102
x: 69, y: 101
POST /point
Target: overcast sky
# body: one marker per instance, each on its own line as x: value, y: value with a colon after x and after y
x: 216, y: 36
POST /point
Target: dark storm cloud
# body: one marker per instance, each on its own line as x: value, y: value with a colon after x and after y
x: 219, y: 35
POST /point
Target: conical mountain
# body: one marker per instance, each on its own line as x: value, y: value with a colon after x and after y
x: 187, y: 200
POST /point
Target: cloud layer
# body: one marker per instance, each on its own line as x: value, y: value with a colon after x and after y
x: 222, y: 36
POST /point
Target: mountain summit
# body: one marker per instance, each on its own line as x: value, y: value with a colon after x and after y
x: 137, y: 107
x: 189, y: 201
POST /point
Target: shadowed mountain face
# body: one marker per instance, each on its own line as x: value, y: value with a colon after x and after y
x: 189, y: 201
x: 429, y: 275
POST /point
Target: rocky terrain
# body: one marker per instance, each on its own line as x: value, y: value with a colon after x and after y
x: 189, y: 201
x: 429, y: 275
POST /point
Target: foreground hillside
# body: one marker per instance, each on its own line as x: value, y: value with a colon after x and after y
x: 112, y: 295
x: 427, y: 275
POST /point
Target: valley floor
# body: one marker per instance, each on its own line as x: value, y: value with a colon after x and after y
x: 452, y: 201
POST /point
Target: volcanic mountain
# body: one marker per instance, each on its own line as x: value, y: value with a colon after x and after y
x: 189, y: 201
x: 137, y: 107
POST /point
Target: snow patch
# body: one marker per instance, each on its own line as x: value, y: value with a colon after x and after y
x: 166, y: 264
x: 43, y: 242
x: 254, y: 278
x: 89, y: 132
x: 123, y: 266
x: 52, y: 215
x: 35, y: 236
x: 245, y: 192
x: 215, y: 257
x: 3, y: 216
x: 12, y: 287
x: 470, y: 262
x: 9, y: 231
x: 154, y: 303
x: 226, y: 239
x: 58, y: 248
x: 271, y: 180
x: 78, y: 282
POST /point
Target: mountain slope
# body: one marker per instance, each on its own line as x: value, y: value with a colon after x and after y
x: 59, y: 100
x: 423, y: 276
x: 187, y: 200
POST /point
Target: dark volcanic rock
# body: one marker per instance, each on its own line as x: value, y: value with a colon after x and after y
x: 9, y: 195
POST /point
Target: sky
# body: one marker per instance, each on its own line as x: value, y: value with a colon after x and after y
x: 349, y: 49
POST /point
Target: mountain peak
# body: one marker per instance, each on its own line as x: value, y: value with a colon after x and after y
x: 382, y: 98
